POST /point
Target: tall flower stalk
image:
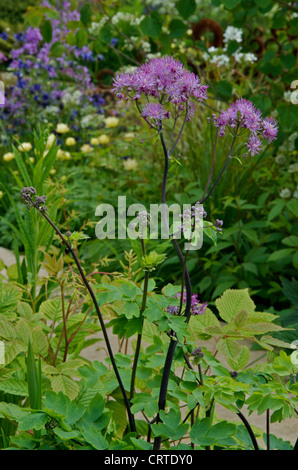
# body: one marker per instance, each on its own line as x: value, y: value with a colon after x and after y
x: 171, y: 91
x: 32, y: 200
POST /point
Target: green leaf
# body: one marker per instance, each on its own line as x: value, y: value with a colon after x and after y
x: 34, y: 17
x: 66, y: 435
x: 287, y: 116
x: 68, y: 386
x: 34, y: 380
x: 95, y: 438
x: 107, y: 297
x: 39, y: 341
x: 81, y: 38
x: 239, y: 362
x: 276, y: 209
x: 288, y: 60
x: 229, y: 347
x: 14, y: 387
x: 57, y: 49
x: 25, y: 441
x: 130, y: 310
x: 224, y: 89
x: 92, y: 373
x: 140, y: 444
x: 59, y: 406
x: 56, y: 404
x: 52, y: 309
x: 31, y: 421
x: 203, y: 433
x: 171, y: 425
x: 86, y: 14
x: 186, y: 8
x: 177, y: 28
x: 199, y: 323
x: 230, y: 4
x: 280, y: 254
x: 46, y: 31
x: 232, y: 302
x: 150, y: 26
x: 94, y: 410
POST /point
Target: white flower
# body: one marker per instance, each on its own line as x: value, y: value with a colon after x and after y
x: 95, y: 28
x: 293, y: 168
x: 91, y: 120
x: 62, y: 128
x: 280, y: 159
x: 7, y: 157
x: 51, y: 110
x: 232, y: 34
x: 130, y: 164
x: 250, y: 57
x: 285, y: 193
x: 146, y: 46
x: 71, y: 97
x: 245, y: 57
x: 220, y: 60
x: 111, y: 121
x: 129, y: 68
x: 94, y: 141
x: 25, y: 147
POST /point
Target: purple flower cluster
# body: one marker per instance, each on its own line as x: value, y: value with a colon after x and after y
x: 166, y: 80
x: 37, y: 76
x: 30, y: 199
x: 197, y: 308
x: 243, y: 113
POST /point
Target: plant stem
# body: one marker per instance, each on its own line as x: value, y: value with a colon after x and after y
x: 249, y: 429
x: 204, y: 198
x: 93, y: 297
x: 139, y: 338
x: 173, y: 341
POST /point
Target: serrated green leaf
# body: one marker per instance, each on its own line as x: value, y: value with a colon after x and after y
x: 229, y: 347
x: 66, y: 385
x: 14, y: 387
x: 232, y: 302
x: 31, y: 421
x: 238, y: 363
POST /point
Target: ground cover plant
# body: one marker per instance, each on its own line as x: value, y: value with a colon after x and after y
x: 188, y: 106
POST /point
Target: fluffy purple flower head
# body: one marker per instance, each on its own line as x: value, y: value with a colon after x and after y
x: 270, y: 129
x: 254, y: 145
x: 164, y: 79
x: 154, y: 111
x: 245, y: 115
